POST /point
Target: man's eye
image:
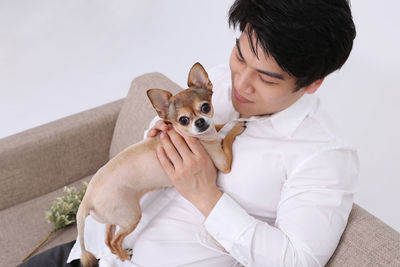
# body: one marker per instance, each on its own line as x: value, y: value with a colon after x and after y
x: 205, y: 108
x: 265, y: 81
x: 184, y: 120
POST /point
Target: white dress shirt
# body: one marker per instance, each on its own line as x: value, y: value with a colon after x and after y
x: 286, y: 200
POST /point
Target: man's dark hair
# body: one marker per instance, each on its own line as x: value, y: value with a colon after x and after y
x: 309, y: 39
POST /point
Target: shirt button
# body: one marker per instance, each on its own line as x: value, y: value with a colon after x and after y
x: 245, y: 262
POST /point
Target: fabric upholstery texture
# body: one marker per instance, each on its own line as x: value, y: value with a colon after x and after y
x: 40, y: 160
x: 367, y: 241
x: 24, y: 226
x: 36, y: 164
x: 137, y: 110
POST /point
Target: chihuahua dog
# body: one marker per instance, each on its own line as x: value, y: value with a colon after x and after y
x: 113, y: 194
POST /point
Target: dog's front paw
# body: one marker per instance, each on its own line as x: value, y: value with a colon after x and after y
x: 239, y: 127
x: 126, y: 254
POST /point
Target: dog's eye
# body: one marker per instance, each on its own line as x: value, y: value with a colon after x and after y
x: 184, y: 120
x: 205, y: 108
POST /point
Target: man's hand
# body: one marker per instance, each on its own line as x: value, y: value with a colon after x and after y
x: 190, y: 169
x: 158, y: 127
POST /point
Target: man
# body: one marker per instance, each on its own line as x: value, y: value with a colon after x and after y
x: 287, y: 199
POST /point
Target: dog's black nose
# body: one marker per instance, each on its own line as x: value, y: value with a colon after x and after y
x: 201, y: 124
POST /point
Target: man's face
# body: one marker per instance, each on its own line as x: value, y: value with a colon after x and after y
x: 259, y: 85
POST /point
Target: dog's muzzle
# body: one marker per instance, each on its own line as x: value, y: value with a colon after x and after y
x: 201, y: 125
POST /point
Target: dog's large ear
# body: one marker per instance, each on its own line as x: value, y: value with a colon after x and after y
x: 198, y: 77
x: 160, y: 101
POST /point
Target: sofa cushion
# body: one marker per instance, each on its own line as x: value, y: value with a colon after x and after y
x: 137, y: 111
x: 23, y: 227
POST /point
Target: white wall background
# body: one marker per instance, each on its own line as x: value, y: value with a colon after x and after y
x: 61, y: 57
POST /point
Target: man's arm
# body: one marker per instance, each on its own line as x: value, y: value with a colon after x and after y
x: 312, y: 214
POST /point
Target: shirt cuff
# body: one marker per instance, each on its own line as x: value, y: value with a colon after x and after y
x: 228, y: 221
x: 151, y: 125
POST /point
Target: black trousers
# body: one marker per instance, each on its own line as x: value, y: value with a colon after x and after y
x: 56, y: 257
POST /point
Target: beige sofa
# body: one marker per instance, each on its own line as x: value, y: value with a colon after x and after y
x: 36, y: 164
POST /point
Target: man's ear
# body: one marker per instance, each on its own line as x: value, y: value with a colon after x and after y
x: 312, y: 88
x: 160, y: 101
x: 198, y: 77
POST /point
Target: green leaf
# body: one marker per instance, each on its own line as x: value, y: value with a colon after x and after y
x: 63, y: 211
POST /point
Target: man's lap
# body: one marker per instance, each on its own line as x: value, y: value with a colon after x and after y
x: 56, y: 256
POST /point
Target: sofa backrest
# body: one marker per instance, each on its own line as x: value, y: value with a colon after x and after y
x: 366, y: 241
x: 137, y: 111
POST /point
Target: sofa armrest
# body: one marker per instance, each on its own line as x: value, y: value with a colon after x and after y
x: 367, y: 241
x: 42, y: 159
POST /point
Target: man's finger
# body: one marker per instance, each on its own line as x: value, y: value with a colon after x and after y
x: 180, y: 144
x: 161, y: 126
x: 152, y: 133
x: 195, y: 145
x: 170, y: 149
x: 164, y: 161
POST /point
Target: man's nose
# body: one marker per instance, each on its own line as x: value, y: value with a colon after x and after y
x: 243, y: 82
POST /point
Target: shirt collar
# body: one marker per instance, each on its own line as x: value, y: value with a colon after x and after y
x: 287, y: 120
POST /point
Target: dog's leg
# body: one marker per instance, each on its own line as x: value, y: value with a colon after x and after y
x: 110, y: 233
x: 228, y: 141
x: 219, y: 127
x: 116, y: 242
x: 123, y: 254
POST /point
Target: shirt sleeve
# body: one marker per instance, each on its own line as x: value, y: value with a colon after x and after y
x: 151, y: 124
x: 312, y: 213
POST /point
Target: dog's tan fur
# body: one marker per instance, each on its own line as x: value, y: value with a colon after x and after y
x: 114, y: 193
